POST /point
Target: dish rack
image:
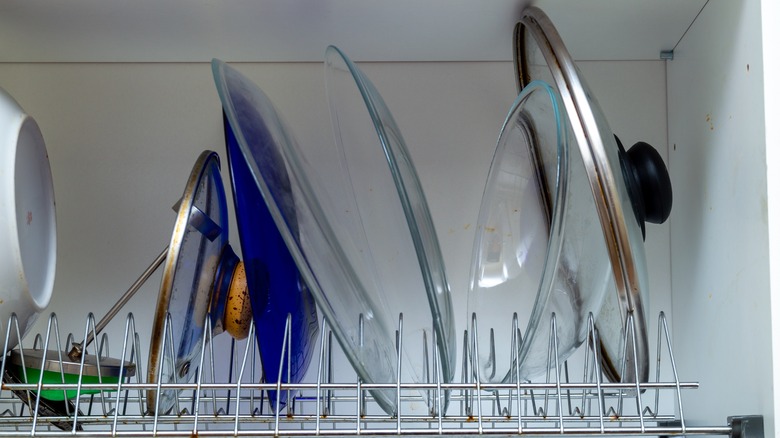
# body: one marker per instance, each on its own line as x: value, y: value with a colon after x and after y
x: 238, y: 405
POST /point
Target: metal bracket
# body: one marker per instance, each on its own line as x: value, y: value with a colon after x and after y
x: 747, y: 426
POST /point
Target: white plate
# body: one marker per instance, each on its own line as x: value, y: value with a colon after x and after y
x: 28, y: 230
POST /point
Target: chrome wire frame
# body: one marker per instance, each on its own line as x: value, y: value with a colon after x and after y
x: 214, y: 406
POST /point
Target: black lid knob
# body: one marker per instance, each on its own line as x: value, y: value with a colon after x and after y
x: 648, y: 182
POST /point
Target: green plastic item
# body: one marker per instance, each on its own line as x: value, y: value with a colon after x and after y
x: 53, y: 377
x: 58, y: 368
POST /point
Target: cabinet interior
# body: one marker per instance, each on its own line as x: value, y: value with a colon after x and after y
x: 123, y: 132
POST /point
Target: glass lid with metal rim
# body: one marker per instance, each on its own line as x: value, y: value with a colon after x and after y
x: 337, y: 249
x: 193, y: 259
x: 203, y: 278
x: 627, y: 188
x: 538, y: 251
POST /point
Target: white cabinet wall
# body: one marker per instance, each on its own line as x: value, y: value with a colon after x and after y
x: 126, y: 102
x: 721, y: 297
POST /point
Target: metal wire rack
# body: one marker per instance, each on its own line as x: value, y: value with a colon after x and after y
x: 237, y: 405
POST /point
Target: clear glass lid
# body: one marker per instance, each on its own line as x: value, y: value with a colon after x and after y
x: 310, y: 196
x: 379, y: 185
x: 628, y: 188
x: 199, y: 237
x: 538, y: 250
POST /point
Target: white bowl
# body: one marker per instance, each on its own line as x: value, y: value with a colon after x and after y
x: 28, y: 230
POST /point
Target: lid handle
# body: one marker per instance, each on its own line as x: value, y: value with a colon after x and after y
x: 648, y: 182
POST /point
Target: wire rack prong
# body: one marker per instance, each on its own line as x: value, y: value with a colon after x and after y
x: 215, y: 404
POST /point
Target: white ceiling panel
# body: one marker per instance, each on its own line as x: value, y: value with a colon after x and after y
x: 299, y: 30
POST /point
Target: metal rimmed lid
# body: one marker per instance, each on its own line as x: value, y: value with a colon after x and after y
x: 393, y: 210
x: 194, y: 255
x: 541, y: 54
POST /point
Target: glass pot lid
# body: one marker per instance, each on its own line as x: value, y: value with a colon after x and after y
x: 311, y: 197
x: 194, y: 257
x: 538, y: 241
x: 388, y: 204
x: 628, y: 188
x: 203, y: 278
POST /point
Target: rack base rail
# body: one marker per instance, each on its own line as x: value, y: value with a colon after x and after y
x: 238, y: 405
